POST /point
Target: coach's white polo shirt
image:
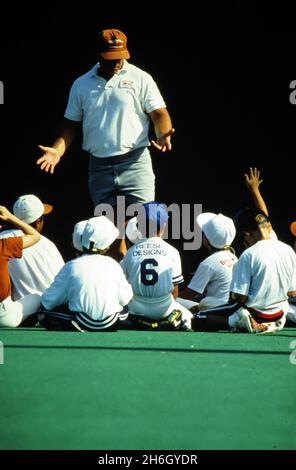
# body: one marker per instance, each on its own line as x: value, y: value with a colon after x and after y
x: 114, y: 112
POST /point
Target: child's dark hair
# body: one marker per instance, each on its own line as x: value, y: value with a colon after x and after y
x: 250, y: 219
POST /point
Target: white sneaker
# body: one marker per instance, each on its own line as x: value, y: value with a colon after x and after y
x: 243, y: 321
x: 271, y: 327
x: 240, y: 321
x: 281, y: 323
x: 264, y: 328
x: 247, y: 322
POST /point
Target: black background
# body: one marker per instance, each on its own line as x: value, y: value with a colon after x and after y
x: 224, y: 72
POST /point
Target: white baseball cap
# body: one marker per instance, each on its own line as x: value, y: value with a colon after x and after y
x: 219, y: 229
x: 132, y: 231
x: 29, y: 208
x: 77, y: 234
x: 99, y: 233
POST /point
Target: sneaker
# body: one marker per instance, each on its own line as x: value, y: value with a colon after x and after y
x: 239, y: 322
x: 76, y: 326
x: 245, y: 321
x: 262, y: 328
x: 172, y: 322
x: 276, y: 325
x: 186, y: 326
x: 141, y: 323
x: 270, y: 327
x: 281, y: 323
x: 252, y: 326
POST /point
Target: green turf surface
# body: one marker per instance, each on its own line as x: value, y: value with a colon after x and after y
x: 142, y: 390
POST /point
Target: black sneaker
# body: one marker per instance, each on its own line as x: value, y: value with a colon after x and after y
x: 172, y: 322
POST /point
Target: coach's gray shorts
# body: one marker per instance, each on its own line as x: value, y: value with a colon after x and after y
x: 130, y: 175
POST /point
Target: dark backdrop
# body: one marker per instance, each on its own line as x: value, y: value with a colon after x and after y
x: 224, y: 74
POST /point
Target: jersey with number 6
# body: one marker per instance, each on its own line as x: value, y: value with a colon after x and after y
x: 152, y: 267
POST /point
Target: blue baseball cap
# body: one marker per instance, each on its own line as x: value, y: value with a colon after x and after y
x: 156, y: 212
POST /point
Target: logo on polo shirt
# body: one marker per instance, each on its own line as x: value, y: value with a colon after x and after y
x: 126, y: 83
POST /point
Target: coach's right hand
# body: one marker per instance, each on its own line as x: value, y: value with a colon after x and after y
x: 49, y: 159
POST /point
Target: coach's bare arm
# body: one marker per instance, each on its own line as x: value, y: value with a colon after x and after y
x: 52, y: 155
x: 163, y: 129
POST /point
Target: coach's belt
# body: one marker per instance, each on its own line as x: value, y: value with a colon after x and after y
x: 111, y: 160
x: 119, y: 158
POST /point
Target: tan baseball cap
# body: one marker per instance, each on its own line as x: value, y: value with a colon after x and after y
x: 113, y: 44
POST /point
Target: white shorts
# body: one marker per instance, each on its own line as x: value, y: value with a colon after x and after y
x: 154, y: 308
x: 206, y: 302
x: 13, y: 313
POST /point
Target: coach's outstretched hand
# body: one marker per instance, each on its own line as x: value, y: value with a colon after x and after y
x: 49, y: 159
x: 164, y: 142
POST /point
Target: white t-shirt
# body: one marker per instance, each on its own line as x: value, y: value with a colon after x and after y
x: 92, y: 284
x: 114, y: 112
x: 213, y: 275
x: 265, y: 272
x: 152, y: 267
x: 37, y: 268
